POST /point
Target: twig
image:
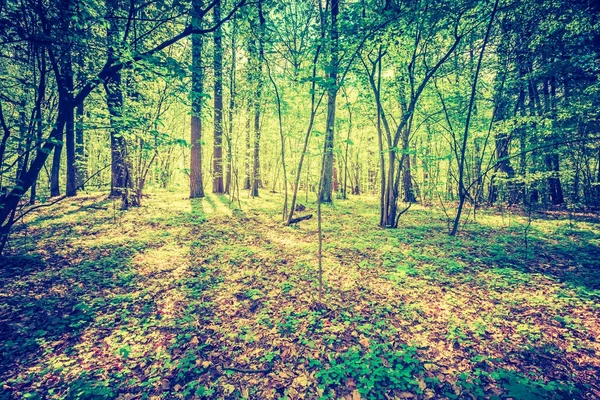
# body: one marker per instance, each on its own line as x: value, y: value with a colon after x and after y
x: 249, y: 371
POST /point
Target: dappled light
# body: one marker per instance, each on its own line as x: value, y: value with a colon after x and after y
x: 299, y: 199
x: 174, y: 301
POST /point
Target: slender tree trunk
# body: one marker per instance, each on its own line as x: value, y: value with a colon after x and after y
x: 313, y: 112
x: 284, y: 212
x: 383, y: 198
x: 232, y: 94
x: 256, y: 173
x: 346, y: 167
x: 248, y: 147
x: 552, y: 159
x: 196, y: 185
x: 386, y: 201
x: 462, y: 194
x: 218, y: 104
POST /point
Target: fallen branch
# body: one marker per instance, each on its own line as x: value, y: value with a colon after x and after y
x: 300, y: 219
x: 95, y: 207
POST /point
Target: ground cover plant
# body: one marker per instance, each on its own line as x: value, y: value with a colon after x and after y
x: 188, y: 299
x: 299, y: 199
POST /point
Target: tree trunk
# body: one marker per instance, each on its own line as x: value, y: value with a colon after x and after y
x: 327, y: 177
x: 39, y: 128
x: 313, y: 111
x: 71, y: 189
x: 114, y: 102
x: 256, y: 174
x: 554, y: 186
x: 196, y: 185
x: 55, y: 171
x: 248, y: 147
x: 218, y: 104
x: 407, y: 186
x: 462, y: 191
x: 80, y: 156
x: 232, y: 94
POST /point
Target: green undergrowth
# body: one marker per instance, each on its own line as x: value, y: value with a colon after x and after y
x: 174, y: 299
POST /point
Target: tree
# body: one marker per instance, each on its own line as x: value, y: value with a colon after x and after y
x: 218, y: 103
x: 197, y: 93
x: 462, y: 191
x: 108, y: 74
x: 332, y: 89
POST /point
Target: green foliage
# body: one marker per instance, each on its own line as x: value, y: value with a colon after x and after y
x: 521, y: 387
x: 87, y: 388
x: 376, y: 370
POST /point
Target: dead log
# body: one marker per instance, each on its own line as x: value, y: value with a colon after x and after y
x: 299, y: 219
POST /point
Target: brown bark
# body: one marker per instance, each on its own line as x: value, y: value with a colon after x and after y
x: 196, y: 184
x: 218, y: 104
x: 331, y: 100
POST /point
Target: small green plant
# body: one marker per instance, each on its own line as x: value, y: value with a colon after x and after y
x: 86, y: 387
x: 376, y: 370
x: 289, y: 323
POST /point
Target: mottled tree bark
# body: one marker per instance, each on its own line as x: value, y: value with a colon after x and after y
x: 196, y: 186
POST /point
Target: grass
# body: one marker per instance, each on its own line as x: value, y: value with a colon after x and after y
x: 183, y: 299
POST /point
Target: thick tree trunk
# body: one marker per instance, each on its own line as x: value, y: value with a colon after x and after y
x: 326, y: 192
x: 80, y: 157
x: 71, y: 188
x: 554, y: 186
x: 55, y: 171
x: 39, y: 128
x: 196, y: 185
x: 114, y: 102
x: 407, y: 185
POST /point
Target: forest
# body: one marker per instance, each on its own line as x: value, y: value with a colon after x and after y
x: 299, y: 199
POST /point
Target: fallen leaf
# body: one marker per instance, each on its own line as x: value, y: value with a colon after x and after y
x: 406, y: 395
x: 301, y: 381
x: 165, y: 384
x: 365, y: 342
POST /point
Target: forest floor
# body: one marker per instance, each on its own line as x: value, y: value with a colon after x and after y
x: 188, y: 299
